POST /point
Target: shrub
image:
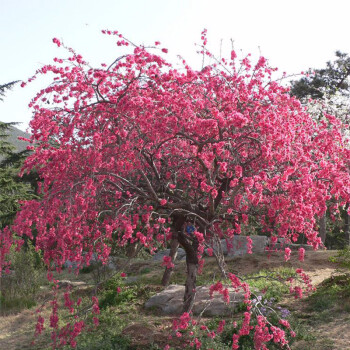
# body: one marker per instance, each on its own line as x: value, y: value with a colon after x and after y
x: 18, y: 288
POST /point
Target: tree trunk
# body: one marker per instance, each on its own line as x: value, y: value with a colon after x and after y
x: 174, y: 245
x: 190, y: 287
x: 323, y: 232
x: 190, y: 245
x: 131, y: 250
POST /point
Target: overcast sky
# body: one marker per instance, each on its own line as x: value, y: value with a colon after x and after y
x: 293, y: 35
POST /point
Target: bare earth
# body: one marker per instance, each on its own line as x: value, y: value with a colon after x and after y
x: 16, y: 331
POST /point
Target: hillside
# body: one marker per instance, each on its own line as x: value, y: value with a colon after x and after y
x: 13, y: 135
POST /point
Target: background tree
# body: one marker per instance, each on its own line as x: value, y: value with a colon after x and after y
x: 330, y: 90
x: 138, y: 151
x: 13, y: 188
x: 319, y: 82
x: 5, y: 87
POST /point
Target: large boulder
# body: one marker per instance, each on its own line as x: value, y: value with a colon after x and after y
x: 181, y: 254
x: 237, y: 245
x: 170, y: 301
x: 94, y: 261
x: 283, y: 243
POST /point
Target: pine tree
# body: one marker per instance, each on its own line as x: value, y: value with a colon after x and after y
x: 4, y: 87
x: 13, y: 188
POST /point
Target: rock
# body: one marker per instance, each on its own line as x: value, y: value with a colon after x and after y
x: 70, y: 265
x: 170, y: 301
x: 181, y: 254
x: 94, y: 261
x: 237, y: 245
x: 281, y: 245
x: 297, y: 246
x: 67, y: 283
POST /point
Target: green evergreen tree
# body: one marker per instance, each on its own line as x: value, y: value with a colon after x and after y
x: 330, y: 80
x: 4, y: 87
x: 13, y: 188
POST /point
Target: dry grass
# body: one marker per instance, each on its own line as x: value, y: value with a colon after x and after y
x: 144, y: 327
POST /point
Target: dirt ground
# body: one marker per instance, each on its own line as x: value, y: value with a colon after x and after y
x: 16, y: 331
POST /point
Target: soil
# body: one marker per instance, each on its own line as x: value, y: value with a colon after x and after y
x: 16, y: 331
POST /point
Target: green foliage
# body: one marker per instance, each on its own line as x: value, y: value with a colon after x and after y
x: 333, y: 78
x: 336, y: 237
x: 88, y: 269
x: 128, y: 293
x: 18, y: 289
x: 223, y: 341
x: 108, y: 336
x: 5, y: 146
x: 13, y: 188
x: 342, y: 257
x: 271, y: 282
x: 5, y: 87
x: 106, y: 340
x: 334, y: 292
x: 145, y: 270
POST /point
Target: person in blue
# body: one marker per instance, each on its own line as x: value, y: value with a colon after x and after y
x: 190, y: 229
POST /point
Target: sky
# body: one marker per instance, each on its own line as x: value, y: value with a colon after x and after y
x: 292, y: 35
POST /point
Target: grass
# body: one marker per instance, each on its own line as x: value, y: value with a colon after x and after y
x: 126, y: 325
x: 267, y: 281
x: 333, y: 295
x: 16, y: 303
x: 271, y: 282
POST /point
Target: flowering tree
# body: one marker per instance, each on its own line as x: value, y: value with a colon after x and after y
x: 327, y: 91
x: 139, y: 151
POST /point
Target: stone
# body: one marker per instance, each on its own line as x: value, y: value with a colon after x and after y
x: 237, y: 245
x: 70, y: 284
x: 297, y: 246
x: 181, y: 254
x: 282, y: 244
x: 94, y: 261
x: 70, y: 265
x: 170, y: 301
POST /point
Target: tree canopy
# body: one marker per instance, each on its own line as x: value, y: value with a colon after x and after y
x: 137, y: 150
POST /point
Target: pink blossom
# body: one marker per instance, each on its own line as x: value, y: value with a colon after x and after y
x: 56, y: 41
x: 238, y: 171
x: 167, y: 262
x: 287, y: 252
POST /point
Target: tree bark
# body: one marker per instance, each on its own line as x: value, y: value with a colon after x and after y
x: 323, y: 231
x: 174, y: 245
x: 190, y: 245
x: 131, y: 250
x: 190, y: 287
